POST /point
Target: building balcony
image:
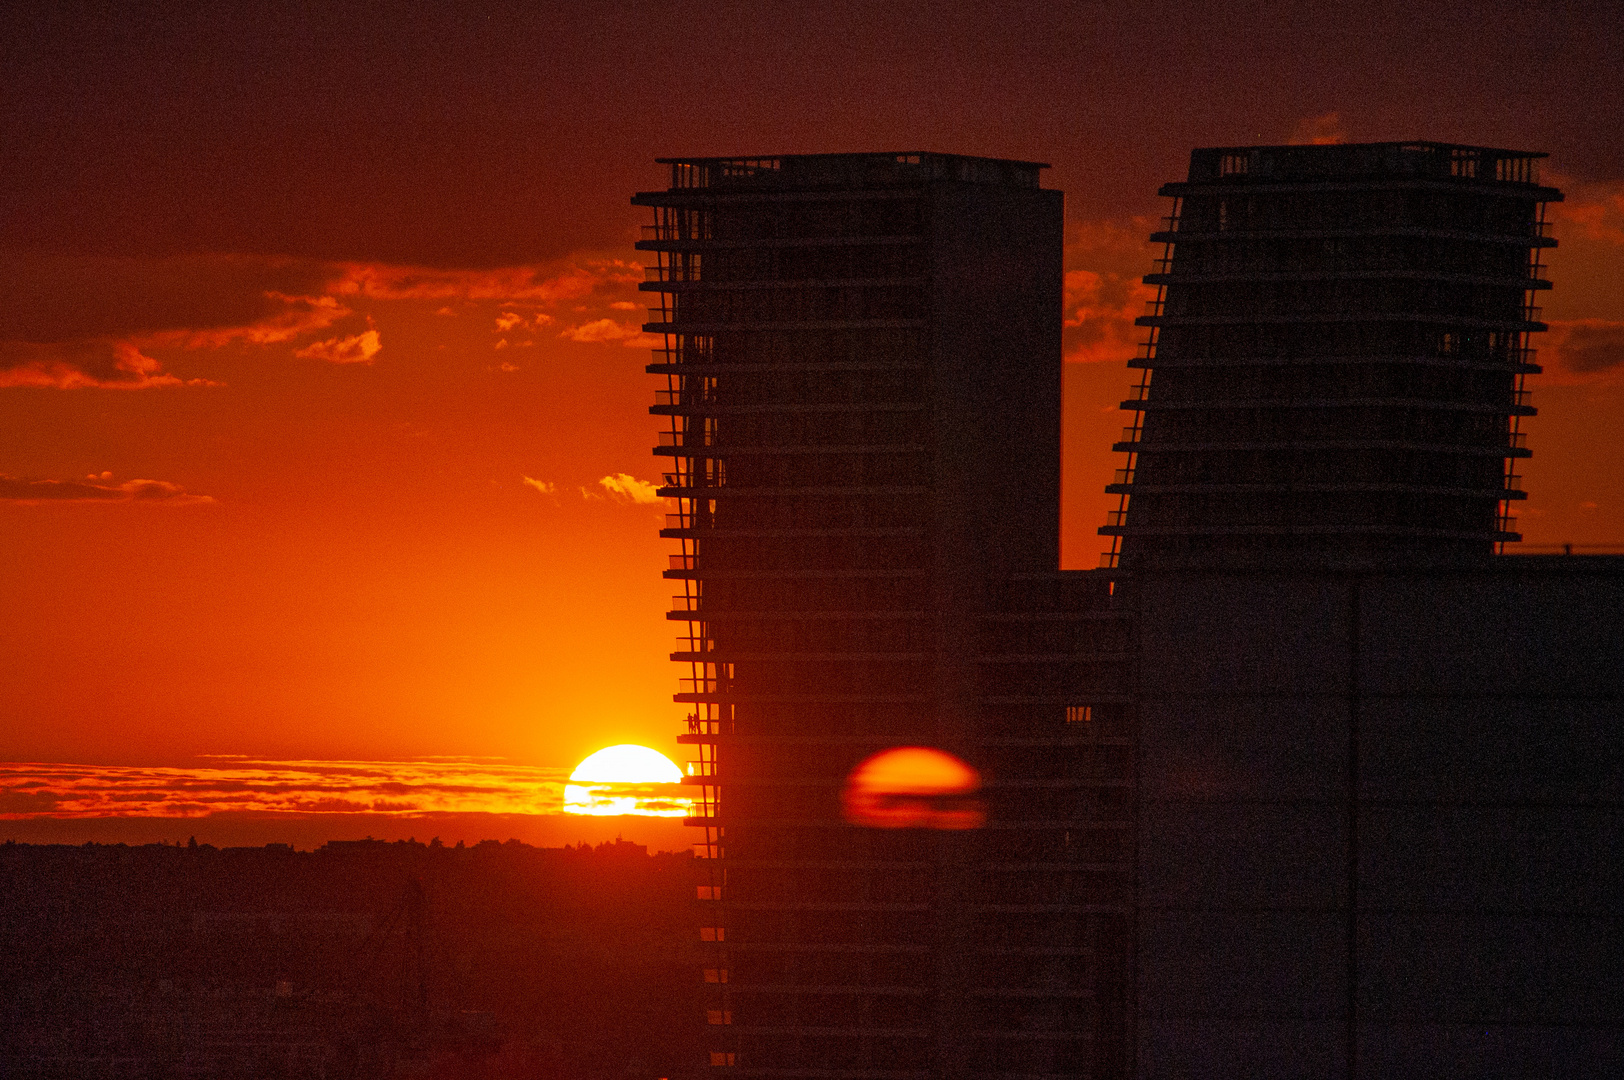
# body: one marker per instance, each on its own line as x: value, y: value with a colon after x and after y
x: 1520, y: 362
x: 1514, y: 448
x: 1536, y: 236
x: 1330, y: 317
x: 1262, y: 277
x: 1516, y: 406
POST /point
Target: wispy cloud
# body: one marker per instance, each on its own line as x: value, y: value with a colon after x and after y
x: 1593, y: 210
x: 628, y: 488
x: 543, y: 486
x: 395, y: 788
x: 1100, y: 313
x: 99, y: 364
x: 48, y: 298
x: 1105, y: 261
x: 1586, y: 312
x: 99, y: 489
x: 509, y: 320
x: 355, y: 349
x: 100, y: 323
x: 293, y: 317
x: 600, y: 331
x: 574, y: 280
x: 74, y: 322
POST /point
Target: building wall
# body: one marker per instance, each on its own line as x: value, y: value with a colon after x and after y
x: 1379, y: 820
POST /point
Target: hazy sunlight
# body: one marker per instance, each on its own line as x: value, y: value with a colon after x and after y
x: 913, y: 787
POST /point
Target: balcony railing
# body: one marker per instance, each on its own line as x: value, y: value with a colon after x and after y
x: 687, y: 270
x: 686, y: 438
x: 683, y: 397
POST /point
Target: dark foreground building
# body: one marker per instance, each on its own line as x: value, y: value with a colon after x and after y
x: 1306, y: 782
x: 1379, y: 820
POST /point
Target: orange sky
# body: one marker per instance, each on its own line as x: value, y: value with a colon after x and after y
x: 318, y: 337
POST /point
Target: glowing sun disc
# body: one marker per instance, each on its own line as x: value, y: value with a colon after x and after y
x: 627, y: 763
x: 626, y: 779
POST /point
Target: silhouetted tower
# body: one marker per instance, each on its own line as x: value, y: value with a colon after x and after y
x: 1339, y: 342
x: 863, y: 364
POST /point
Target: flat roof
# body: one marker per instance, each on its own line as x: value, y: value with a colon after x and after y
x: 1412, y: 144
x: 896, y: 156
x: 851, y: 170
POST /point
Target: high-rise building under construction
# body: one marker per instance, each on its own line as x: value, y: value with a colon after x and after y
x: 1339, y: 337
x: 863, y: 375
x: 1258, y: 797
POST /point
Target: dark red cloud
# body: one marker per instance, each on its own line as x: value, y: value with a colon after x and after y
x: 1589, y: 346
x: 96, y: 489
x: 1105, y: 261
x: 91, y: 363
x: 94, y: 322
x: 47, y: 298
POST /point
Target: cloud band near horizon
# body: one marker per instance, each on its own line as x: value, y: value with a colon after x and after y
x: 237, y: 785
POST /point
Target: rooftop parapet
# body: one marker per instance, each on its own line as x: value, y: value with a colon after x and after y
x: 1393, y: 160
x: 847, y: 171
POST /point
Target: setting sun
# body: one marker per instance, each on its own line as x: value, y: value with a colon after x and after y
x: 626, y: 779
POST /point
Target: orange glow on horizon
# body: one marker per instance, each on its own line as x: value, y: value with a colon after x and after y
x: 626, y: 779
x: 913, y: 787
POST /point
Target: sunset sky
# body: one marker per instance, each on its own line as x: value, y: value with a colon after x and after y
x: 323, y: 426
